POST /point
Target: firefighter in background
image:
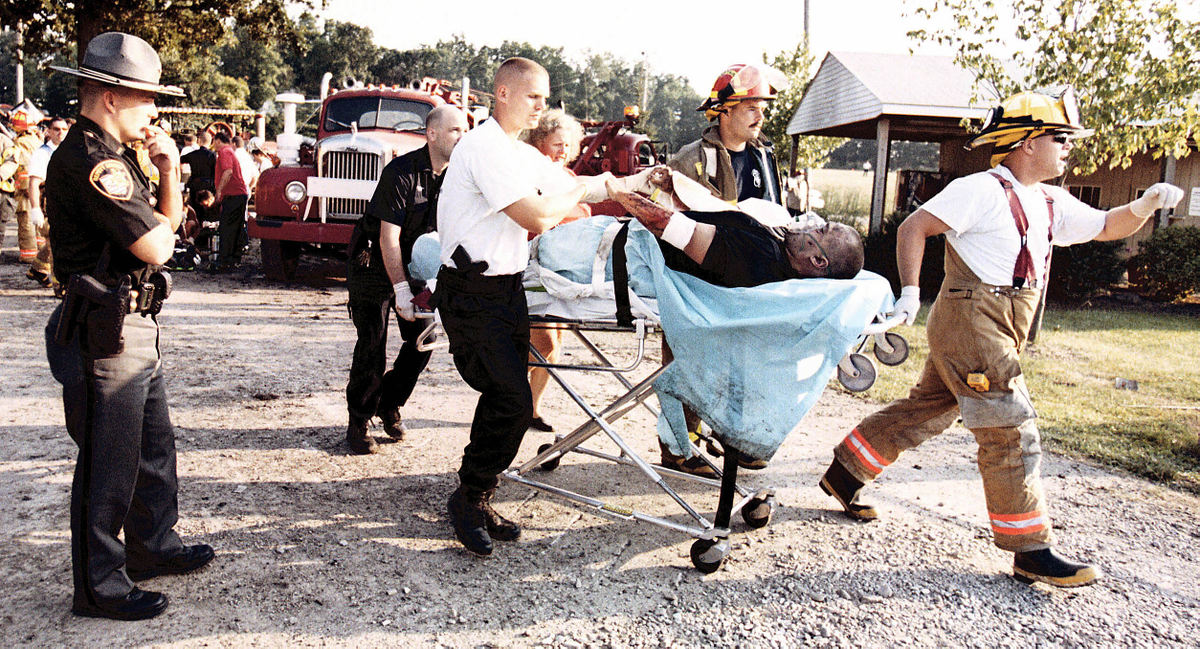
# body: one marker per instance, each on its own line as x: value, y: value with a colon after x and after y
x: 999, y: 226
x: 8, y: 172
x: 24, y: 119
x: 734, y: 162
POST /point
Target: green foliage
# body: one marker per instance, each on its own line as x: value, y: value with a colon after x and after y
x: 53, y: 93
x: 1080, y: 272
x: 880, y: 258
x: 799, y: 67
x: 1071, y: 370
x: 1167, y: 265
x: 1134, y: 65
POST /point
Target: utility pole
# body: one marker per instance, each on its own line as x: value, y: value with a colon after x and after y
x: 20, y: 76
x: 805, y: 26
x: 645, y: 89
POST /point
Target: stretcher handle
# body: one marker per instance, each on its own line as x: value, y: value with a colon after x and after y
x: 883, y: 324
x: 424, y: 341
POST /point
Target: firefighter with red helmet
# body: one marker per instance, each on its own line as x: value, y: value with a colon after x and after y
x: 24, y: 118
x: 999, y: 225
x: 735, y: 162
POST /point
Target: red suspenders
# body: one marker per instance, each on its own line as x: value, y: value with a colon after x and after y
x: 1023, y: 272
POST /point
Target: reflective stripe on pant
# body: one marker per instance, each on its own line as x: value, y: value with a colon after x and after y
x: 971, y: 330
x: 27, y: 238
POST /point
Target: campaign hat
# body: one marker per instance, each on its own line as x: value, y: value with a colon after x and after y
x: 120, y: 59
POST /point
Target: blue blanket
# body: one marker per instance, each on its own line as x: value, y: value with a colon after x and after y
x: 750, y: 361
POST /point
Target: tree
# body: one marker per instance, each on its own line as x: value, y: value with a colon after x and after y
x: 1134, y: 64
x: 797, y: 65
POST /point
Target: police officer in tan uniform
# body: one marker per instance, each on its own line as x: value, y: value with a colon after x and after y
x: 999, y: 226
x: 110, y: 233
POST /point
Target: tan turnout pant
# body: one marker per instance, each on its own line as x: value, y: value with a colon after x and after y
x: 973, y: 328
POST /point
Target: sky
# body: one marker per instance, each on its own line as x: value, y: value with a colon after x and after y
x: 696, y: 39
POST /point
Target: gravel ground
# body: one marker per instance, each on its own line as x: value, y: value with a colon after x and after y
x: 317, y: 547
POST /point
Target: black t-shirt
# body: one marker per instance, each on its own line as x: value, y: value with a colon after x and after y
x: 743, y: 253
x: 202, y: 165
x: 96, y: 194
x: 751, y: 179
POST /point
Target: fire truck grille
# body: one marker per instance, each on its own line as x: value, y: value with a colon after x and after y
x: 348, y: 164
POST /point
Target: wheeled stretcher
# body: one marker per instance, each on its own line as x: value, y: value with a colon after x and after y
x: 610, y: 302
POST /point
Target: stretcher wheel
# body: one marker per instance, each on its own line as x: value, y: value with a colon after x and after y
x: 548, y: 465
x: 757, y: 512
x: 865, y: 371
x: 708, y: 555
x: 899, y: 352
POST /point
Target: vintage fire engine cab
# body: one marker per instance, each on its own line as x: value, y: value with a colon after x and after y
x: 310, y: 202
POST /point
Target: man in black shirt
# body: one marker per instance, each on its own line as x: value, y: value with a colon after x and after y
x: 403, y: 208
x: 202, y: 165
x: 733, y: 249
x: 102, y: 341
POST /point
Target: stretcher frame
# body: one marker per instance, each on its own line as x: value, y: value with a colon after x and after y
x: 755, y: 506
x: 711, y: 547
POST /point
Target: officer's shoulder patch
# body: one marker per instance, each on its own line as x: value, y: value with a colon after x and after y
x: 111, y: 178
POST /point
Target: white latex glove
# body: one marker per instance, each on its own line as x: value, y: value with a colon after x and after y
x: 404, y: 298
x: 37, y: 216
x: 908, y: 304
x: 1159, y: 196
x: 595, y: 189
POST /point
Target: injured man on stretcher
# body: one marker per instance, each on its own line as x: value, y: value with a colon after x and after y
x: 731, y: 247
x: 757, y: 306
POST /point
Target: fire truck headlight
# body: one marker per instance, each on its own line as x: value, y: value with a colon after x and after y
x: 295, y: 192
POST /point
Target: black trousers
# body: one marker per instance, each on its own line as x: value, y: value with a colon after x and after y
x: 233, y: 228
x: 372, y: 391
x: 487, y: 323
x: 116, y: 412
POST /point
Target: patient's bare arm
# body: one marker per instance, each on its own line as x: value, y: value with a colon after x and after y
x: 656, y: 218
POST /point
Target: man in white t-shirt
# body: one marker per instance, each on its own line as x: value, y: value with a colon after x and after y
x: 496, y: 190
x: 999, y: 226
x: 56, y: 129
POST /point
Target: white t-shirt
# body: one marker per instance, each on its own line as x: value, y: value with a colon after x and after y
x: 983, y: 232
x: 39, y: 159
x: 248, y: 165
x: 488, y: 172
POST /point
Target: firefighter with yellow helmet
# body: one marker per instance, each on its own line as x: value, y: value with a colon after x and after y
x: 999, y: 226
x: 735, y: 162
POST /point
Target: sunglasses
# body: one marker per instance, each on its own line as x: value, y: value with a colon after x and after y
x: 1061, y: 138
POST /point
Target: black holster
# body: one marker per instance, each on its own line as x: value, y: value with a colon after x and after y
x: 99, y: 309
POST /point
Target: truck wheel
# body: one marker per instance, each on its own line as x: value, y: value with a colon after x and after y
x: 279, y: 258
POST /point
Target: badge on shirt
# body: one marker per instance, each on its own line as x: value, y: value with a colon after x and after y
x: 111, y: 178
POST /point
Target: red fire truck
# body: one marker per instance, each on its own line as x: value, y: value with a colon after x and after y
x: 310, y: 202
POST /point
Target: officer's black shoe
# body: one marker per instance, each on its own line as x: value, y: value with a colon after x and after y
x: 393, y: 424
x: 358, y: 439
x: 470, y: 521
x: 498, y: 527
x: 842, y: 485
x: 1048, y: 567
x: 138, y: 604
x: 190, y: 558
x: 539, y: 424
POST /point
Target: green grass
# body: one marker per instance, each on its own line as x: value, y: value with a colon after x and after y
x: 1071, y: 371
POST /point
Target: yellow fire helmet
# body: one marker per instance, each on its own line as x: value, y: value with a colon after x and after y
x: 740, y: 82
x: 1027, y: 115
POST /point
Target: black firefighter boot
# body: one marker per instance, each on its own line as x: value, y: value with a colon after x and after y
x: 393, y: 424
x: 1047, y: 566
x: 842, y: 485
x: 469, y: 519
x: 498, y: 527
x: 358, y: 439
